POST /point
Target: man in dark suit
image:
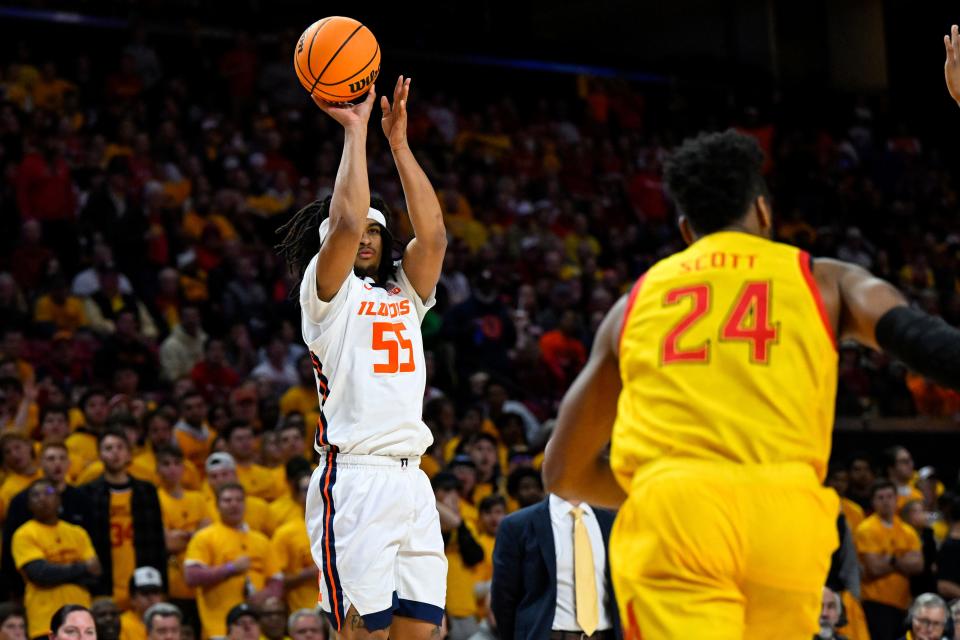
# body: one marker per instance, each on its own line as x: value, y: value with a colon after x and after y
x: 540, y: 552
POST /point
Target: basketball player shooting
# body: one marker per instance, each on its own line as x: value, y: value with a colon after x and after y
x: 716, y: 378
x: 371, y: 513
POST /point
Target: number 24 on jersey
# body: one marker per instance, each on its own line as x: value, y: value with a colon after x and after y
x: 748, y: 320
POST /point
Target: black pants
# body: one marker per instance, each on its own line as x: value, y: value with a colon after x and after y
x: 885, y: 622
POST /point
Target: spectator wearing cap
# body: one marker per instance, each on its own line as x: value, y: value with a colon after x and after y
x: 146, y: 590
x: 163, y: 621
x: 184, y: 513
x: 243, y: 623
x: 305, y: 624
x: 19, y: 466
x: 228, y: 563
x: 125, y: 521
x: 543, y: 585
x: 183, y: 348
x: 291, y: 548
x: 56, y: 558
x: 74, y: 509
x: 222, y: 470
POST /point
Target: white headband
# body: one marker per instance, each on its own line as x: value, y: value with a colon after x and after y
x: 372, y: 214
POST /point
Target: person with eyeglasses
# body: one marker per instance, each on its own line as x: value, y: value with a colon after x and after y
x: 55, y: 557
x: 927, y: 618
x: 305, y: 624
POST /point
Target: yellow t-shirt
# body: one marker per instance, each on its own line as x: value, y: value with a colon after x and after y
x: 216, y: 545
x: 461, y: 580
x: 283, y: 510
x: 852, y: 512
x: 306, y: 402
x: 62, y: 543
x: 875, y: 536
x: 14, y: 483
x: 256, y: 515
x: 195, y: 450
x: 144, y: 467
x: 132, y: 627
x: 69, y: 316
x: 291, y: 548
x: 184, y: 513
x: 258, y: 481
x: 122, y: 554
x: 83, y: 446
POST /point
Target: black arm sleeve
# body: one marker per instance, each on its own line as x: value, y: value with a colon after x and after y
x: 470, y: 550
x: 49, y: 574
x: 925, y: 343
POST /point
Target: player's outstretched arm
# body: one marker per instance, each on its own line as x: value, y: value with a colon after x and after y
x: 874, y: 313
x: 575, y: 466
x: 423, y: 257
x: 351, y: 197
x: 951, y: 68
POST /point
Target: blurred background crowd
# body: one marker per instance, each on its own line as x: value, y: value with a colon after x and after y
x: 151, y: 365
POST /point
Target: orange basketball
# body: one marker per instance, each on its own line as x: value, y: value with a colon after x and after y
x: 337, y: 59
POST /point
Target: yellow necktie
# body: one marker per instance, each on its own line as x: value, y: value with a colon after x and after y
x: 584, y: 575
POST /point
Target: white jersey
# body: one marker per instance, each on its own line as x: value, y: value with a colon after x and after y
x: 367, y: 353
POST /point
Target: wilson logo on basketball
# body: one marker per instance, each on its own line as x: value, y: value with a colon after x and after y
x: 360, y: 84
x: 300, y: 44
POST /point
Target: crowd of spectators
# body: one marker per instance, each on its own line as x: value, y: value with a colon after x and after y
x: 150, y: 357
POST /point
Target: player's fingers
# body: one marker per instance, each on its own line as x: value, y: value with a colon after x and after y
x: 397, y: 88
x: 385, y: 105
x: 406, y: 88
x: 955, y: 40
x: 946, y: 44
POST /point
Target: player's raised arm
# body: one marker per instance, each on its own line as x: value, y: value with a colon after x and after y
x: 351, y: 197
x: 423, y: 257
x: 575, y: 466
x: 874, y: 313
x: 951, y: 68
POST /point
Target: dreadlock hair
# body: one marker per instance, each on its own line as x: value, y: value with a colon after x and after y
x: 301, y: 240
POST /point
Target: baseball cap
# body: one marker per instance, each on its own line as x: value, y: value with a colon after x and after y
x: 220, y: 460
x: 146, y: 578
x: 242, y: 609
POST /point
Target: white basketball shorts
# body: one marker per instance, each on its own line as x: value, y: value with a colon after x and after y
x: 375, y: 534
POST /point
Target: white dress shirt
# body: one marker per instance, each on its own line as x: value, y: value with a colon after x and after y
x: 561, y: 521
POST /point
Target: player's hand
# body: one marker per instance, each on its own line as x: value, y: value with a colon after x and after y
x: 93, y: 566
x: 241, y: 565
x: 951, y: 68
x: 394, y: 120
x: 350, y: 116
